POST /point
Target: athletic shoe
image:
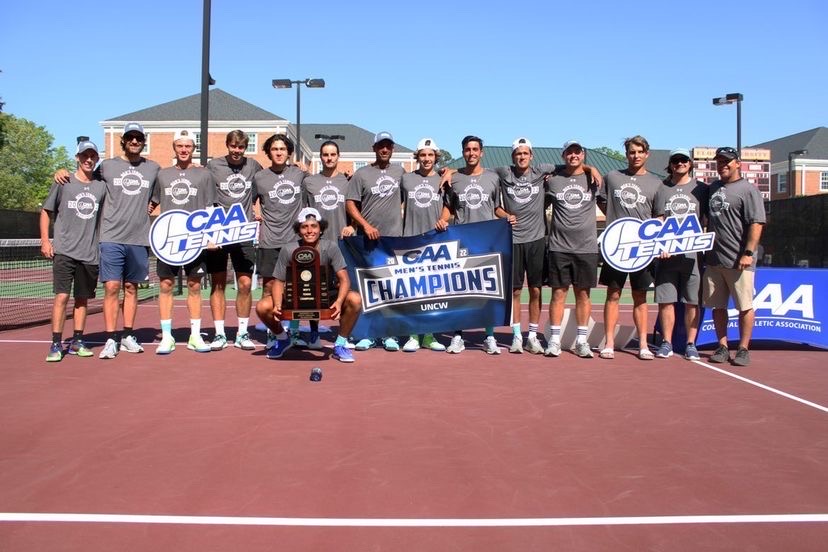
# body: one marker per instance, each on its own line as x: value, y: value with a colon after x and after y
x: 196, y: 343
x: 55, y: 353
x: 691, y: 353
x: 553, y: 349
x: 430, y: 342
x: 110, y: 349
x: 742, y: 357
x: 517, y: 345
x: 533, y: 345
x: 131, y: 345
x: 314, y: 342
x: 411, y: 345
x: 349, y: 344
x: 583, y: 350
x: 456, y: 346
x: 343, y: 353
x: 280, y: 346
x: 721, y: 355
x: 78, y: 347
x: 166, y: 346
x: 364, y: 344
x: 219, y: 343
x: 490, y: 345
x: 665, y: 351
x: 390, y: 344
x: 244, y: 342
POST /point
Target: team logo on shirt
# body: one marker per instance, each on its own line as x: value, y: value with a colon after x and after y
x: 629, y: 244
x: 630, y: 195
x: 679, y: 205
x: 284, y: 191
x: 718, y: 203
x: 329, y: 197
x: 424, y: 195
x: 523, y: 192
x: 236, y: 186
x: 573, y: 197
x: 385, y: 186
x: 474, y: 197
x: 180, y: 191
x: 131, y: 182
x: 85, y: 205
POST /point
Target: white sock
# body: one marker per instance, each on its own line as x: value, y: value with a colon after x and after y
x: 195, y: 327
x: 219, y: 324
x: 556, y: 335
x: 582, y: 331
x: 243, y: 322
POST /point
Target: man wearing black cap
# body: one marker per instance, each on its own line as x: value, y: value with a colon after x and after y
x: 736, y: 217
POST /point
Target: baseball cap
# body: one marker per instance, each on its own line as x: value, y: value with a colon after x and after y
x: 183, y: 135
x: 571, y: 143
x: 86, y: 145
x: 307, y: 213
x: 133, y: 127
x: 681, y: 151
x: 427, y: 143
x: 727, y: 152
x: 380, y: 136
x: 521, y: 142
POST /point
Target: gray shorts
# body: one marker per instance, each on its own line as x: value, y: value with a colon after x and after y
x: 677, y: 280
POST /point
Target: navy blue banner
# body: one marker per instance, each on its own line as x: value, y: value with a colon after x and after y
x: 436, y: 282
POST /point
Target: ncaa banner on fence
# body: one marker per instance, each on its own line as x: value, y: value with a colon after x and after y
x: 178, y: 237
x: 436, y: 282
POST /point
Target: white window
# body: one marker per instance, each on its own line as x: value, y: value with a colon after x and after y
x: 252, y: 143
x: 782, y: 182
x: 146, y: 149
x: 823, y: 181
x: 197, y: 149
x: 359, y: 164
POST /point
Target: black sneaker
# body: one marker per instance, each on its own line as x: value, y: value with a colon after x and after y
x: 742, y: 357
x: 721, y: 355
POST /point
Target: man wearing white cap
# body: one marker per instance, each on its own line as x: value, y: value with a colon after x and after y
x: 189, y: 188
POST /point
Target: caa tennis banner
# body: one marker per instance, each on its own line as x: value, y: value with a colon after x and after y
x: 790, y: 305
x: 436, y: 282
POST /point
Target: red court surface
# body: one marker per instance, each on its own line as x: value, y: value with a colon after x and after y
x: 424, y: 451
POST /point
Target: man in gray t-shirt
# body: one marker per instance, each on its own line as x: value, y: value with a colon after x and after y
x: 736, y: 216
x: 326, y: 192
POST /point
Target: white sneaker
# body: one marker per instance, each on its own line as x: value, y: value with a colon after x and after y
x: 196, y: 343
x: 583, y: 350
x: 131, y: 345
x: 456, y: 346
x: 533, y: 345
x: 490, y: 345
x: 166, y: 346
x: 219, y: 343
x: 553, y: 349
x: 517, y: 345
x: 244, y: 342
x: 110, y: 349
x: 411, y: 345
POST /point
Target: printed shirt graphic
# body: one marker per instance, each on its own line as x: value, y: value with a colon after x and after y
x: 733, y: 207
x: 280, y: 197
x: 379, y: 192
x: 189, y: 189
x: 573, y: 216
x: 234, y: 183
x: 629, y: 196
x: 523, y: 196
x: 422, y: 202
x: 327, y: 195
x: 77, y: 208
x: 679, y: 201
x: 329, y: 255
x: 478, y: 196
x: 128, y: 190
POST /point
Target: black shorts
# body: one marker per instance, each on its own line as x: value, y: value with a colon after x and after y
x: 527, y: 259
x: 194, y: 269
x: 579, y: 270
x: 242, y: 255
x: 66, y: 271
x: 640, y: 280
x: 266, y: 261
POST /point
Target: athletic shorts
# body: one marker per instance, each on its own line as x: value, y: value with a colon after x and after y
x: 640, y: 280
x: 124, y: 263
x: 722, y: 283
x: 579, y: 270
x: 242, y: 255
x: 66, y: 271
x: 677, y: 280
x: 527, y: 259
x: 196, y: 268
x: 266, y: 261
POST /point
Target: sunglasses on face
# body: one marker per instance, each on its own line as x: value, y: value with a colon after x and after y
x: 679, y: 160
x: 133, y: 138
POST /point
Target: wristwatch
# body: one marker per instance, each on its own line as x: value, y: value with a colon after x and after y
x: 748, y: 253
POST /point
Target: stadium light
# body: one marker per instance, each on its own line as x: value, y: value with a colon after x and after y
x: 287, y: 83
x: 737, y: 99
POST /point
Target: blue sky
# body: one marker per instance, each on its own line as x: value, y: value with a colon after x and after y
x: 595, y: 71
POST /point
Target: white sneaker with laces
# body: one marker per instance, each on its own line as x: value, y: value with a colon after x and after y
x: 583, y: 350
x: 533, y: 345
x: 131, y: 345
x: 553, y: 349
x: 166, y: 346
x: 456, y: 346
x: 517, y: 345
x: 110, y: 349
x: 219, y: 343
x: 411, y: 345
x: 490, y: 345
x: 244, y: 342
x: 197, y: 344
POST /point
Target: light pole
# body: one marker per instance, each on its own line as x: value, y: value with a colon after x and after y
x: 791, y: 181
x: 737, y: 99
x: 287, y: 83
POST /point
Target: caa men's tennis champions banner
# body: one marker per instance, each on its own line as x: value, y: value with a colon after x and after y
x: 177, y: 237
x: 436, y: 282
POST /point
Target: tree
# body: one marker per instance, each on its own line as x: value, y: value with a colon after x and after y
x: 28, y: 160
x: 444, y: 159
x: 609, y: 152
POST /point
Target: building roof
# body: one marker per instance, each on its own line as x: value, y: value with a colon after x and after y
x: 814, y: 140
x: 223, y: 107
x: 350, y: 138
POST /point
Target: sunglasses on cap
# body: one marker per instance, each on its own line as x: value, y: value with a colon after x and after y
x: 727, y: 152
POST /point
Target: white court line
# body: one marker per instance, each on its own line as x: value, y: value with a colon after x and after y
x: 763, y: 386
x: 410, y: 522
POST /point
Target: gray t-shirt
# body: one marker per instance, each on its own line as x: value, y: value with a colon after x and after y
x: 327, y: 195
x: 477, y: 196
x: 573, y: 214
x: 128, y: 190
x: 629, y: 196
x: 77, y: 208
x: 379, y: 192
x: 523, y: 196
x: 234, y: 182
x: 733, y: 207
x: 329, y: 256
x: 280, y: 195
x: 674, y: 200
x: 422, y: 202
x: 187, y: 189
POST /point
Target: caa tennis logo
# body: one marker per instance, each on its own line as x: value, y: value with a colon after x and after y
x: 629, y: 244
x: 177, y: 237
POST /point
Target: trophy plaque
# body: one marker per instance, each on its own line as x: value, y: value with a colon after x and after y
x: 306, y: 287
